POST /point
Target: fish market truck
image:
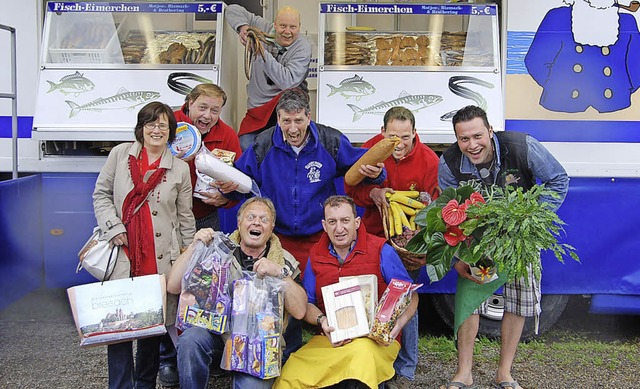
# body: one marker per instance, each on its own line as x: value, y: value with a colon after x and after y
x: 540, y: 67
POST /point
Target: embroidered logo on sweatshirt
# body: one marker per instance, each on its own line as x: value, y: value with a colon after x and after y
x: 313, y: 171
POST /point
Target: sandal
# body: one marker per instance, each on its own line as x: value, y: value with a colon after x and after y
x: 461, y: 385
x: 505, y: 385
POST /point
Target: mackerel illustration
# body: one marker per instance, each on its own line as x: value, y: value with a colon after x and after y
x: 121, y: 100
x: 354, y: 86
x: 75, y: 83
x: 412, y: 102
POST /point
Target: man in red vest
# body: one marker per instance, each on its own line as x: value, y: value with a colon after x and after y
x: 345, y: 249
x: 412, y: 166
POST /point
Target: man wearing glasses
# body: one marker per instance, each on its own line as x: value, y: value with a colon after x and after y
x: 259, y: 251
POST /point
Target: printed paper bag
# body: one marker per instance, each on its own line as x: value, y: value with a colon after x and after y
x: 119, y: 310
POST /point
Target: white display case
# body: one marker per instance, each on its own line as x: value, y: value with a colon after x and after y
x: 101, y: 62
x: 430, y: 58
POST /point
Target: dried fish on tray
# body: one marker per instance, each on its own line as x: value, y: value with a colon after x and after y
x: 349, y: 49
x: 400, y: 49
x: 199, y: 48
x: 169, y: 47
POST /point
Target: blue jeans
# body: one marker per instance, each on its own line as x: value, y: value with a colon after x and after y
x: 407, y: 360
x: 196, y: 347
x: 168, y: 354
x: 123, y: 374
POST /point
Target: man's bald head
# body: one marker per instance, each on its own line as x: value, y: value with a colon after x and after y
x: 287, y: 26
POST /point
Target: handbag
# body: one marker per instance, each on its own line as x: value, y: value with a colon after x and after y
x: 97, y: 256
x: 119, y: 310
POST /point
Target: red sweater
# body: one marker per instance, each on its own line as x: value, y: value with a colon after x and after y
x: 221, y: 136
x: 417, y: 171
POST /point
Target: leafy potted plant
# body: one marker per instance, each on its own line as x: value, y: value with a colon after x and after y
x: 483, y: 225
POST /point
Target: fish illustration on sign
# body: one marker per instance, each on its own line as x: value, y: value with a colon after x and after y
x: 121, y: 100
x: 75, y: 83
x: 412, y: 102
x: 462, y: 91
x: 354, y: 86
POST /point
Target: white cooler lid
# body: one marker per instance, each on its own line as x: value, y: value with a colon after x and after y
x: 188, y: 139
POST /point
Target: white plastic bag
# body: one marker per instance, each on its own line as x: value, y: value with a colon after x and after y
x: 213, y: 167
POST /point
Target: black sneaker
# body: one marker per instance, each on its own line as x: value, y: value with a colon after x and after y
x: 168, y: 376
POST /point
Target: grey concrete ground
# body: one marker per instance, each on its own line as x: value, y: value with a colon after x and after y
x: 40, y: 349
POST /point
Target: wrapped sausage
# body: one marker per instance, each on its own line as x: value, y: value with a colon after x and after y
x: 215, y: 168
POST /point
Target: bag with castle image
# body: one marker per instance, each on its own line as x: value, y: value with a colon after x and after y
x: 119, y: 310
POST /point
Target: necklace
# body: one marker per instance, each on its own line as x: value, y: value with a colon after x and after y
x: 486, y: 172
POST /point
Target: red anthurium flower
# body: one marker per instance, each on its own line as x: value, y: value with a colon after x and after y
x: 476, y: 198
x: 453, y: 235
x: 454, y: 213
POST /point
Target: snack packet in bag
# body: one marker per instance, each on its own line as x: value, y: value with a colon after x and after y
x: 205, y: 297
x: 392, y: 304
x: 254, y: 346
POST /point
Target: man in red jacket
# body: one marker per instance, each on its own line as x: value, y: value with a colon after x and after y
x: 202, y: 108
x: 412, y: 166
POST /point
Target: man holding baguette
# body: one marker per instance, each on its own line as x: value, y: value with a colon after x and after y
x: 345, y: 249
x: 413, y: 166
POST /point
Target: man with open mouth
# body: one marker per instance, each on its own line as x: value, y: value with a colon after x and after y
x: 259, y: 250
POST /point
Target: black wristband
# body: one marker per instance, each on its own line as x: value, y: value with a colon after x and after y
x: 319, y: 319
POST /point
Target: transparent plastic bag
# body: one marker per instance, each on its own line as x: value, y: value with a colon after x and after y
x: 254, y: 346
x: 393, y: 303
x: 205, y: 300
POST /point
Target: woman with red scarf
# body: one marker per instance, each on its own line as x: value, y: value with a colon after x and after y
x: 142, y: 200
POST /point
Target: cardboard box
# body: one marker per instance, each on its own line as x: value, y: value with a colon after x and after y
x: 369, y: 287
x: 345, y: 310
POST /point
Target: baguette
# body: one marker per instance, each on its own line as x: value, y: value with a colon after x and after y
x: 378, y: 153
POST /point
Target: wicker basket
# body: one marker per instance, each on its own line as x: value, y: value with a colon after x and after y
x: 411, y: 261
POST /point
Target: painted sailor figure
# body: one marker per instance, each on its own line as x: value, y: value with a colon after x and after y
x: 579, y: 66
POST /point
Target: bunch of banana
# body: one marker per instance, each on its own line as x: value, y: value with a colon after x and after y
x: 403, y: 206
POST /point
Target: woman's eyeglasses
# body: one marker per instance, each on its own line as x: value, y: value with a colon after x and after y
x: 160, y: 126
